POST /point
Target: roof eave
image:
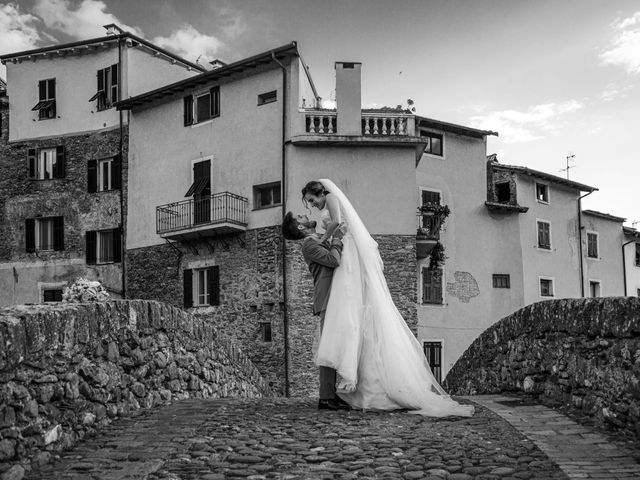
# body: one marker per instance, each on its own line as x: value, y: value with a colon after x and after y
x: 454, y: 128
x: 545, y: 176
x: 208, y: 76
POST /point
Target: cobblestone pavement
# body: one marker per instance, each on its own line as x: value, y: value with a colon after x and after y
x: 578, y: 450
x: 291, y: 439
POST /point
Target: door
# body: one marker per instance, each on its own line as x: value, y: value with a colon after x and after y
x: 433, y: 352
x: 202, y: 192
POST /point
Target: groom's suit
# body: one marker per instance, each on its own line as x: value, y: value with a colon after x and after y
x: 322, y: 259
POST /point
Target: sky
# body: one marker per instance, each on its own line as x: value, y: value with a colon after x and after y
x: 555, y: 78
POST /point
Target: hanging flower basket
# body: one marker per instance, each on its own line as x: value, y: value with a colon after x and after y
x: 436, y: 214
x: 437, y: 256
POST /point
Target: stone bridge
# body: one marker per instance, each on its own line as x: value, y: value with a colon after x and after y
x: 139, y: 389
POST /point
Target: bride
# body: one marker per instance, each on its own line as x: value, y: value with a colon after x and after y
x: 379, y: 361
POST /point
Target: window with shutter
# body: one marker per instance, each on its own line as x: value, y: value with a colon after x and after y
x: 90, y: 248
x: 592, y: 245
x: 544, y: 235
x: 30, y: 235
x: 58, y: 233
x: 433, y: 352
x: 214, y: 285
x: 117, y: 244
x: 46, y: 106
x: 92, y: 176
x: 215, y: 101
x: 432, y: 286
x: 59, y: 166
x: 107, y: 87
x: 32, y: 162
x: 116, y: 173
x: 430, y: 222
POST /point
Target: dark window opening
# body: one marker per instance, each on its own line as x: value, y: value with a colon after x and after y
x: 594, y: 289
x: 433, y: 352
x: 503, y: 192
x: 53, y: 295
x: 542, y: 193
x: 267, y: 195
x: 266, y: 332
x: 637, y: 254
x: 434, y: 142
x: 268, y: 97
x: 501, y: 280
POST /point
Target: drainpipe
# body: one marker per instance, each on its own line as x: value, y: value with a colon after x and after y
x: 624, y: 264
x: 580, y: 241
x: 123, y: 250
x: 283, y: 193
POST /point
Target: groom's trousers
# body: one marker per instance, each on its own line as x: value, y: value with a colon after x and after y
x: 327, y: 375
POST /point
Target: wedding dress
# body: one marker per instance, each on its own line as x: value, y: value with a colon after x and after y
x: 380, y: 363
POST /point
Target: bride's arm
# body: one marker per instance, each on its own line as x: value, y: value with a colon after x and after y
x: 333, y: 205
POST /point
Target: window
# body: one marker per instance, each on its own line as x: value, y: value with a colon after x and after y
x: 430, y: 222
x: 103, y: 246
x: 265, y: 329
x: 594, y: 289
x: 544, y: 235
x: 46, y: 106
x: 638, y: 292
x: 43, y: 234
x: 107, y: 89
x: 207, y: 106
x: 546, y: 287
x: 104, y: 174
x: 268, y: 97
x: 434, y: 142
x: 542, y: 192
x: 503, y: 192
x: 201, y: 286
x: 501, y: 280
x: 46, y: 163
x: 592, y: 245
x: 432, y: 286
x: 53, y: 295
x: 266, y: 195
x: 433, y: 352
x: 637, y: 254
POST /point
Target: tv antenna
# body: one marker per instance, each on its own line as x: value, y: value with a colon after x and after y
x: 570, y: 156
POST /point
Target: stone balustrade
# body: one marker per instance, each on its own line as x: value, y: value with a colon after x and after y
x: 68, y: 369
x: 325, y: 122
x: 385, y: 124
x: 583, y: 353
x: 321, y: 122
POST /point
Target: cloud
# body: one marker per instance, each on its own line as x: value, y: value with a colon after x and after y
x: 517, y: 127
x: 18, y: 31
x: 190, y: 43
x: 233, y: 22
x: 83, y: 20
x: 624, y: 50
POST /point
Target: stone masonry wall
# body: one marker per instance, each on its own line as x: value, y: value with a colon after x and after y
x: 21, y: 198
x: 250, y: 289
x: 584, y: 353
x: 398, y: 253
x: 68, y: 369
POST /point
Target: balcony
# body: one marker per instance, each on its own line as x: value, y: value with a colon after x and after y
x: 221, y: 213
x: 381, y: 123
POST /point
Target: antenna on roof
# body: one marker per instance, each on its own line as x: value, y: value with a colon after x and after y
x: 568, y: 157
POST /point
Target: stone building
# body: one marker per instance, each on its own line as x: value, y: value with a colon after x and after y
x: 631, y: 261
x: 63, y: 168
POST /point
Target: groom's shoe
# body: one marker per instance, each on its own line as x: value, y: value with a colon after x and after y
x: 333, y: 404
x: 342, y: 402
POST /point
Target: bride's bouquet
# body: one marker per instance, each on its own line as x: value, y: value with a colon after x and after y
x: 84, y: 290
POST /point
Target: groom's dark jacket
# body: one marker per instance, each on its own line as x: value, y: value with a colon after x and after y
x: 322, y: 259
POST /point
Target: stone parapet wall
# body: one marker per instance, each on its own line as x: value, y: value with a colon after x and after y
x: 584, y: 353
x: 68, y: 369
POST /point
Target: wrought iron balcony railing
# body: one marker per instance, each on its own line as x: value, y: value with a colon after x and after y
x: 222, y: 208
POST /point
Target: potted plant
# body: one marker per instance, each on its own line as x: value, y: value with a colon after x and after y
x: 436, y: 214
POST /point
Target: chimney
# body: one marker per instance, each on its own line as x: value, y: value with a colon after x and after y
x: 217, y: 63
x: 113, y: 29
x: 348, y: 98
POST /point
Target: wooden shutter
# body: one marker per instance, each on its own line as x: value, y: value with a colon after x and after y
x: 59, y: 168
x: 58, y: 233
x: 51, y: 89
x: 90, y: 248
x: 116, y: 173
x: 42, y: 90
x: 92, y: 176
x: 114, y: 83
x: 30, y: 234
x: 32, y: 162
x: 188, y: 110
x: 117, y: 244
x: 213, y: 277
x: 215, y: 101
x: 100, y: 77
x: 188, y: 287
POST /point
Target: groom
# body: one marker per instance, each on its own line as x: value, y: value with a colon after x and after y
x: 322, y: 259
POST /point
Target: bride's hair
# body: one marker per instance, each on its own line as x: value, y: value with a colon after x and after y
x: 314, y: 187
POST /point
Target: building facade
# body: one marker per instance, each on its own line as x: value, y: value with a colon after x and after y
x: 63, y: 191
x: 631, y: 261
